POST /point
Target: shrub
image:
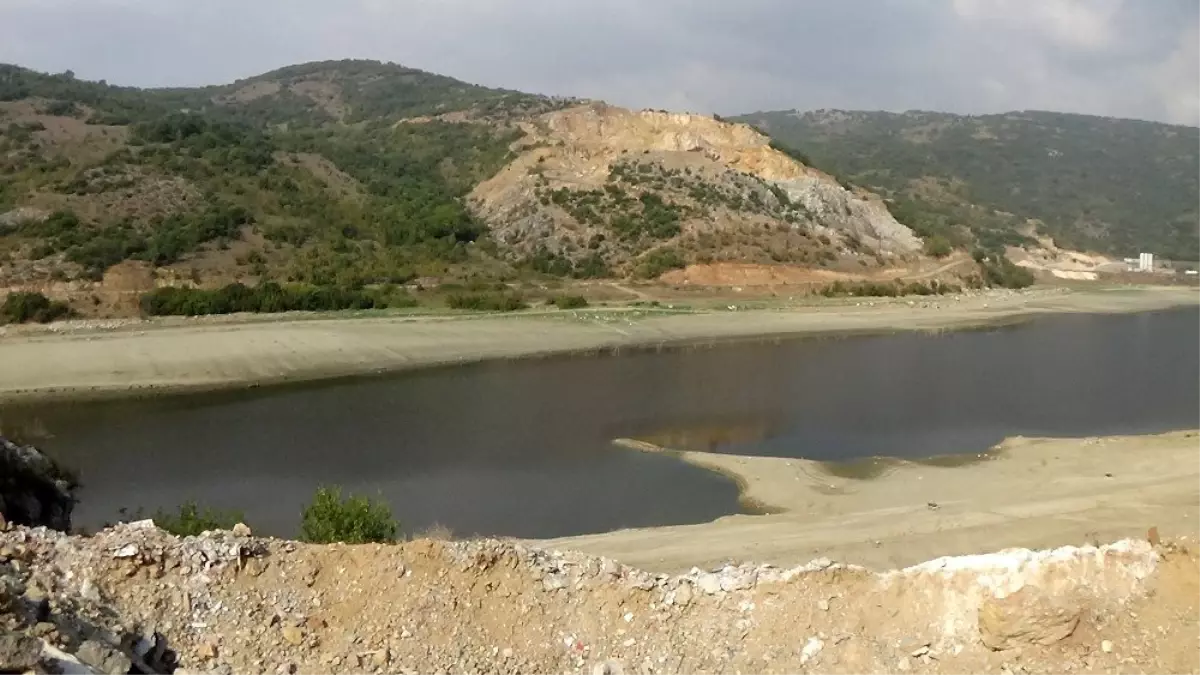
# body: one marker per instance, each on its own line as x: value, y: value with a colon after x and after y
x: 23, y: 306
x: 486, y: 302
x: 569, y: 301
x: 267, y: 297
x: 655, y: 263
x: 190, y: 521
x: 352, y: 519
x: 937, y: 246
x: 998, y: 270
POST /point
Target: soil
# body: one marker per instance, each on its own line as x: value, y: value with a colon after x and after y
x: 123, y: 356
x: 227, y: 602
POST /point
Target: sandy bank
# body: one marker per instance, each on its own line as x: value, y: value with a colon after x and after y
x: 204, y: 355
x: 1034, y: 493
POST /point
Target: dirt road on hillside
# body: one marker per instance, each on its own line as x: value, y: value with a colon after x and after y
x: 180, y: 355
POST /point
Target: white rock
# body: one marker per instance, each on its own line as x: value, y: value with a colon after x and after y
x: 708, y: 583
x: 1106, y: 646
x: 811, y: 649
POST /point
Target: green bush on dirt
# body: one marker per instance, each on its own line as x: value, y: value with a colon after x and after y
x: 486, y: 302
x: 351, y: 519
x: 569, y: 301
x: 25, y: 306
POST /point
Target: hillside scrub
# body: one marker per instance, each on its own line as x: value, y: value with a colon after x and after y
x: 486, y: 302
x: 1117, y: 186
x: 887, y: 289
x: 27, y: 306
x: 999, y: 271
x: 268, y: 297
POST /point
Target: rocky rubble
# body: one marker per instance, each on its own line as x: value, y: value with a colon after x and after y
x: 135, y: 599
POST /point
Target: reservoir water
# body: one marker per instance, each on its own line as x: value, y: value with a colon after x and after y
x: 524, y: 448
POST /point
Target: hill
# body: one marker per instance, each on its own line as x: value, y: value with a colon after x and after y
x: 353, y: 174
x: 1092, y: 183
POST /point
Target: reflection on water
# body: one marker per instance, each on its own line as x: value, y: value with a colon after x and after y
x: 524, y: 448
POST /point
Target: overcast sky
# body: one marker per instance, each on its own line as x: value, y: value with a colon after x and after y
x: 1125, y: 58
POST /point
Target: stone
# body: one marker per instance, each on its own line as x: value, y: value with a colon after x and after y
x: 293, y: 635
x: 683, y: 595
x: 19, y: 653
x: 38, y: 602
x: 823, y: 605
x: 240, y: 530
x: 1026, y: 617
x: 709, y: 584
x: 811, y: 649
x: 904, y: 665
x: 207, y: 650
x: 103, y: 658
x: 1106, y: 646
x: 609, y: 667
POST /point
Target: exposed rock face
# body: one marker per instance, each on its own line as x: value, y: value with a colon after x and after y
x: 1027, y: 617
x: 34, y: 490
x: 722, y: 177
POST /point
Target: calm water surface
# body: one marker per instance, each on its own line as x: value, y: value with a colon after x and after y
x: 523, y: 448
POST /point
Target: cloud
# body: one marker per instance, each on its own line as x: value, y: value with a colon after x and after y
x: 1084, y: 24
x: 1129, y: 58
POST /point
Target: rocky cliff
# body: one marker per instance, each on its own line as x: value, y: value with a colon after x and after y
x: 597, y: 180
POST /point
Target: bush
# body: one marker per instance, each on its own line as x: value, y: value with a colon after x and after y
x: 937, y: 246
x: 352, y: 520
x: 998, y: 270
x: 887, y: 289
x: 267, y: 297
x: 486, y: 302
x: 190, y: 521
x: 655, y: 263
x: 569, y: 301
x: 23, y: 306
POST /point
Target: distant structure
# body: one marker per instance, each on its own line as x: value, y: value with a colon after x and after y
x: 1146, y: 262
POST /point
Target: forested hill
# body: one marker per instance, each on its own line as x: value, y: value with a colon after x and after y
x: 353, y: 174
x: 302, y: 174
x: 1112, y: 185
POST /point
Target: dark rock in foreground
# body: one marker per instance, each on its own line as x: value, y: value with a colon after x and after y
x: 34, y: 490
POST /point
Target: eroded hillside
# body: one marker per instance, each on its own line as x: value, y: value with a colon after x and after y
x: 350, y: 173
x: 599, y: 184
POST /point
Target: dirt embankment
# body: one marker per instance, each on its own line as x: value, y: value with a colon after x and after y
x: 181, y: 355
x: 228, y: 602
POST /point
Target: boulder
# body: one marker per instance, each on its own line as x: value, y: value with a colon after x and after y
x: 1027, y: 617
x: 34, y: 490
x: 18, y: 653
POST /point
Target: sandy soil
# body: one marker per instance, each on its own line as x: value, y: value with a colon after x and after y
x: 1030, y: 493
x: 178, y: 354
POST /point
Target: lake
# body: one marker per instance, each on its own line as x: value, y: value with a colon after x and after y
x: 524, y: 448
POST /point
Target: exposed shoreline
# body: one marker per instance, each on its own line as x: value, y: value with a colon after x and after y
x: 162, y: 357
x: 1025, y: 492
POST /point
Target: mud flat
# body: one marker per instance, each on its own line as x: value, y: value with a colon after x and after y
x: 1025, y: 492
x: 183, y: 355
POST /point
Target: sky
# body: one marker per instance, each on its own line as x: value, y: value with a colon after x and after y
x: 1121, y: 58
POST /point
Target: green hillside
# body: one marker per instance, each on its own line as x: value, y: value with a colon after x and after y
x: 308, y: 168
x: 1112, y: 185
